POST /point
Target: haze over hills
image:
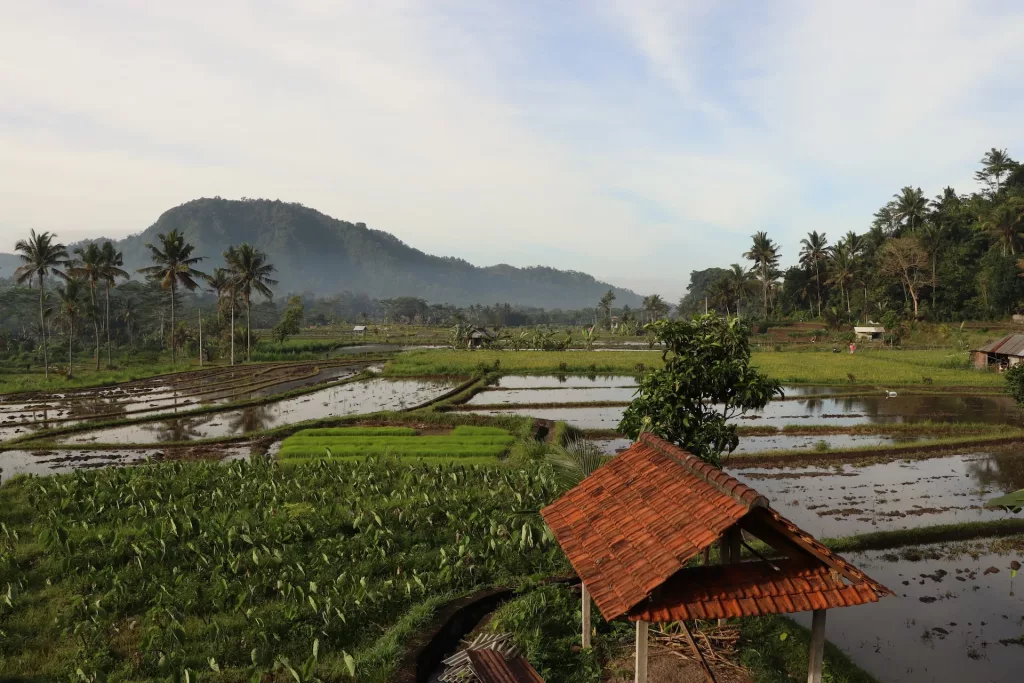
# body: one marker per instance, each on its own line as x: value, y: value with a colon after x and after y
x: 317, y: 253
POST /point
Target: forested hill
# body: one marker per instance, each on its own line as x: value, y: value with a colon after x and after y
x: 314, y: 252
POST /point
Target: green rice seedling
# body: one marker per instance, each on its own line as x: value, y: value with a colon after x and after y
x: 471, y: 430
x: 358, y: 431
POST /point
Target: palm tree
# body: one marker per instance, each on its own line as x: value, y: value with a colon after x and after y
x: 1004, y: 222
x: 227, y: 297
x: 655, y: 306
x: 128, y: 313
x: 605, y: 305
x: 843, y: 270
x: 174, y: 263
x: 41, y: 256
x: 911, y: 206
x: 814, y: 248
x: 765, y: 255
x: 70, y: 298
x: 111, y: 270
x: 736, y: 284
x: 88, y: 265
x: 250, y: 271
x: 995, y: 164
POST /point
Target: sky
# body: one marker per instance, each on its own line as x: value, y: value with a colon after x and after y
x: 635, y: 140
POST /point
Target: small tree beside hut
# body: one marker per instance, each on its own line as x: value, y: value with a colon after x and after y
x: 707, y: 379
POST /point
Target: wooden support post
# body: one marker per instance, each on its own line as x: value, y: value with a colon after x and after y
x: 586, y: 615
x: 640, y: 666
x: 735, y: 536
x: 709, y: 675
x: 817, y: 654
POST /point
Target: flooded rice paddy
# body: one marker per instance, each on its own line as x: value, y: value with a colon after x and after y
x: 61, y: 410
x: 836, y: 412
x: 758, y: 444
x: 13, y: 463
x: 336, y: 401
x: 955, y: 618
x: 900, y: 494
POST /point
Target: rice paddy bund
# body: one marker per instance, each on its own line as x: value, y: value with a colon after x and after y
x: 312, y: 516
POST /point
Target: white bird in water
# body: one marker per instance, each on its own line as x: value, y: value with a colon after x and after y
x: 890, y: 394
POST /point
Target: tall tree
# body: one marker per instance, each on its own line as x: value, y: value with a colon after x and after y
x: 88, y: 265
x: 250, y: 271
x: 173, y: 267
x: 931, y: 236
x: 842, y: 267
x: 737, y: 284
x: 605, y: 306
x: 765, y: 255
x: 41, y: 256
x: 814, y: 248
x: 994, y: 165
x: 904, y: 258
x: 1004, y: 222
x: 911, y: 207
x: 70, y: 300
x: 112, y: 269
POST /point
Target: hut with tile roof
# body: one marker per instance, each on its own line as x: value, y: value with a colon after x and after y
x: 634, y: 529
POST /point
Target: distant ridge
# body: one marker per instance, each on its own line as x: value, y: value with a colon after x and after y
x: 315, y: 252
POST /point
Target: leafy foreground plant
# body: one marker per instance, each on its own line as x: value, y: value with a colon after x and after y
x: 146, y: 573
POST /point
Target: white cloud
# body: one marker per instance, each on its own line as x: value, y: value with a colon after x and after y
x: 483, y: 129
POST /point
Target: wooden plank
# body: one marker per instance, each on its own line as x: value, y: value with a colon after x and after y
x: 708, y: 674
x: 640, y: 666
x: 586, y: 616
x: 817, y: 654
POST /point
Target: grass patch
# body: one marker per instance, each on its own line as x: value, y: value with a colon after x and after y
x: 938, y: 533
x: 868, y: 367
x: 467, y: 442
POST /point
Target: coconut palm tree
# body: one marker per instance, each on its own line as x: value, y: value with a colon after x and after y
x: 250, y: 271
x: 1004, y: 222
x: 173, y: 267
x: 995, y: 164
x: 70, y: 301
x: 842, y: 269
x: 814, y: 248
x: 227, y: 296
x: 911, y: 207
x: 88, y: 265
x: 737, y: 284
x: 655, y: 306
x: 128, y: 313
x: 765, y: 255
x: 932, y: 235
x: 41, y: 256
x: 111, y: 270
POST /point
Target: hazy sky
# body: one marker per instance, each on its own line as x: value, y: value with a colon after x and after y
x: 632, y: 139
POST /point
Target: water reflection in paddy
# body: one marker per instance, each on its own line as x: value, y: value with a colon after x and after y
x: 757, y: 444
x: 945, y: 623
x: 347, y: 399
x: 44, y: 463
x: 846, y: 500
x: 565, y: 381
x: 838, y: 412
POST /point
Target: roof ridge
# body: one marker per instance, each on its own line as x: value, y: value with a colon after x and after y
x: 708, y: 473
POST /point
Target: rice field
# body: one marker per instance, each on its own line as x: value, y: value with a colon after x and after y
x: 872, y: 367
x: 462, y: 442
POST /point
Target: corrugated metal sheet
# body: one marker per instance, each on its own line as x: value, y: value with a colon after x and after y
x: 1010, y: 345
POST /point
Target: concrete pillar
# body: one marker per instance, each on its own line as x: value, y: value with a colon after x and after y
x: 641, y: 653
x: 817, y: 654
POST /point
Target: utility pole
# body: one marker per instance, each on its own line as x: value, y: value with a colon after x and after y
x: 705, y: 305
x: 200, y: 338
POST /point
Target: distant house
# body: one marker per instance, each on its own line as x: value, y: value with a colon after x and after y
x: 1005, y: 352
x: 479, y: 337
x: 870, y: 332
x: 359, y: 330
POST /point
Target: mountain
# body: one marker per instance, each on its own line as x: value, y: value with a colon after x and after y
x: 317, y: 253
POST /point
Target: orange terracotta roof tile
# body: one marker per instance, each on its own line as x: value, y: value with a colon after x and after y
x: 750, y: 589
x: 640, y: 518
x: 490, y: 667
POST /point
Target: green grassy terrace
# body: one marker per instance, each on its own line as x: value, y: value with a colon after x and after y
x: 886, y: 368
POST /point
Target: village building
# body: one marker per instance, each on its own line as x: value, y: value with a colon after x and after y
x: 479, y: 337
x: 359, y: 330
x: 635, y: 529
x: 869, y: 332
x: 1003, y: 353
